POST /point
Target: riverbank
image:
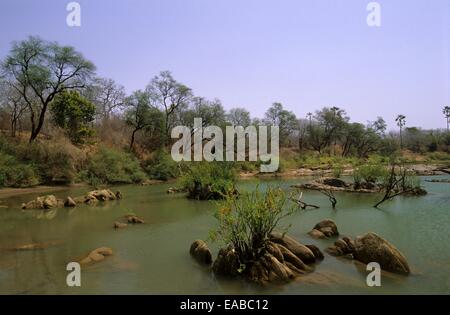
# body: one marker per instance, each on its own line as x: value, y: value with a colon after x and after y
x: 418, y: 169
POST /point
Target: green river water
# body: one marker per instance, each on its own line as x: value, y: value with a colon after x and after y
x: 153, y: 258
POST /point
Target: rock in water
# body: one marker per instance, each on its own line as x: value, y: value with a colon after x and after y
x: 325, y: 228
x: 298, y: 249
x: 373, y: 248
x: 96, y: 255
x: 226, y: 263
x: 316, y: 251
x: 200, y: 251
x: 44, y: 202
x: 133, y: 219
x: 69, y: 202
x: 120, y: 225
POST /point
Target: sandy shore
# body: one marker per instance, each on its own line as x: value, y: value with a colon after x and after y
x: 11, y: 192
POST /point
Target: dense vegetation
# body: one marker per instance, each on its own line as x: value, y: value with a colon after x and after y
x: 60, y: 123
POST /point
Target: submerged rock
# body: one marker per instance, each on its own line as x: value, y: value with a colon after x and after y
x: 200, y: 251
x: 371, y: 248
x: 324, y: 229
x: 120, y: 225
x: 96, y: 255
x: 134, y: 219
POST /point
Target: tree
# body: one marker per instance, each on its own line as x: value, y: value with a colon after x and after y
x: 286, y: 121
x: 12, y: 102
x: 107, y: 95
x: 401, y: 121
x: 73, y: 113
x: 40, y: 70
x: 141, y: 116
x: 446, y: 112
x: 211, y: 112
x: 239, y: 117
x: 166, y: 93
x: 378, y: 126
x: 328, y: 127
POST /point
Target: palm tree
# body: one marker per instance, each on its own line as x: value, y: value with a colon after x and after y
x: 446, y: 112
x: 401, y: 120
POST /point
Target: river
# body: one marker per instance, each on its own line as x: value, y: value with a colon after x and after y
x: 153, y: 258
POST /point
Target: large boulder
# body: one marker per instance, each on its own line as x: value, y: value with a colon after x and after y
x: 200, y: 251
x: 324, y: 229
x: 298, y: 249
x: 373, y: 248
x: 43, y: 202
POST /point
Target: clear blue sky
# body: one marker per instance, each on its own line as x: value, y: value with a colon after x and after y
x: 250, y: 53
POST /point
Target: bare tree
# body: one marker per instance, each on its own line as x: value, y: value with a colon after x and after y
x: 395, y: 184
x: 12, y: 101
x: 107, y: 95
x: 303, y: 205
x: 331, y: 197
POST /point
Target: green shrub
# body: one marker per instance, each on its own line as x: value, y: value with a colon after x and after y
x: 338, y: 169
x: 370, y: 173
x: 209, y: 180
x: 16, y: 174
x: 108, y: 166
x: 246, y: 222
x: 161, y: 166
x: 54, y: 162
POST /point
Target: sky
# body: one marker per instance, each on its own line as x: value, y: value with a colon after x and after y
x: 306, y: 54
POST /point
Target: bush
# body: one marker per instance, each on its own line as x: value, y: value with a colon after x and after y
x: 370, y: 173
x: 161, y: 166
x: 16, y: 174
x: 107, y: 166
x: 209, y: 180
x: 246, y: 222
x: 55, y: 162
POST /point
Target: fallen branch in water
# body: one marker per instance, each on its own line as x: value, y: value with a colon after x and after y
x: 303, y: 205
x: 331, y: 197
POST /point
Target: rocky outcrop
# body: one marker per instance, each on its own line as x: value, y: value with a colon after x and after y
x: 91, y: 198
x: 372, y: 248
x: 281, y: 260
x: 201, y: 253
x: 96, y: 255
x: 43, y: 202
x: 324, y: 229
x: 335, y: 184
